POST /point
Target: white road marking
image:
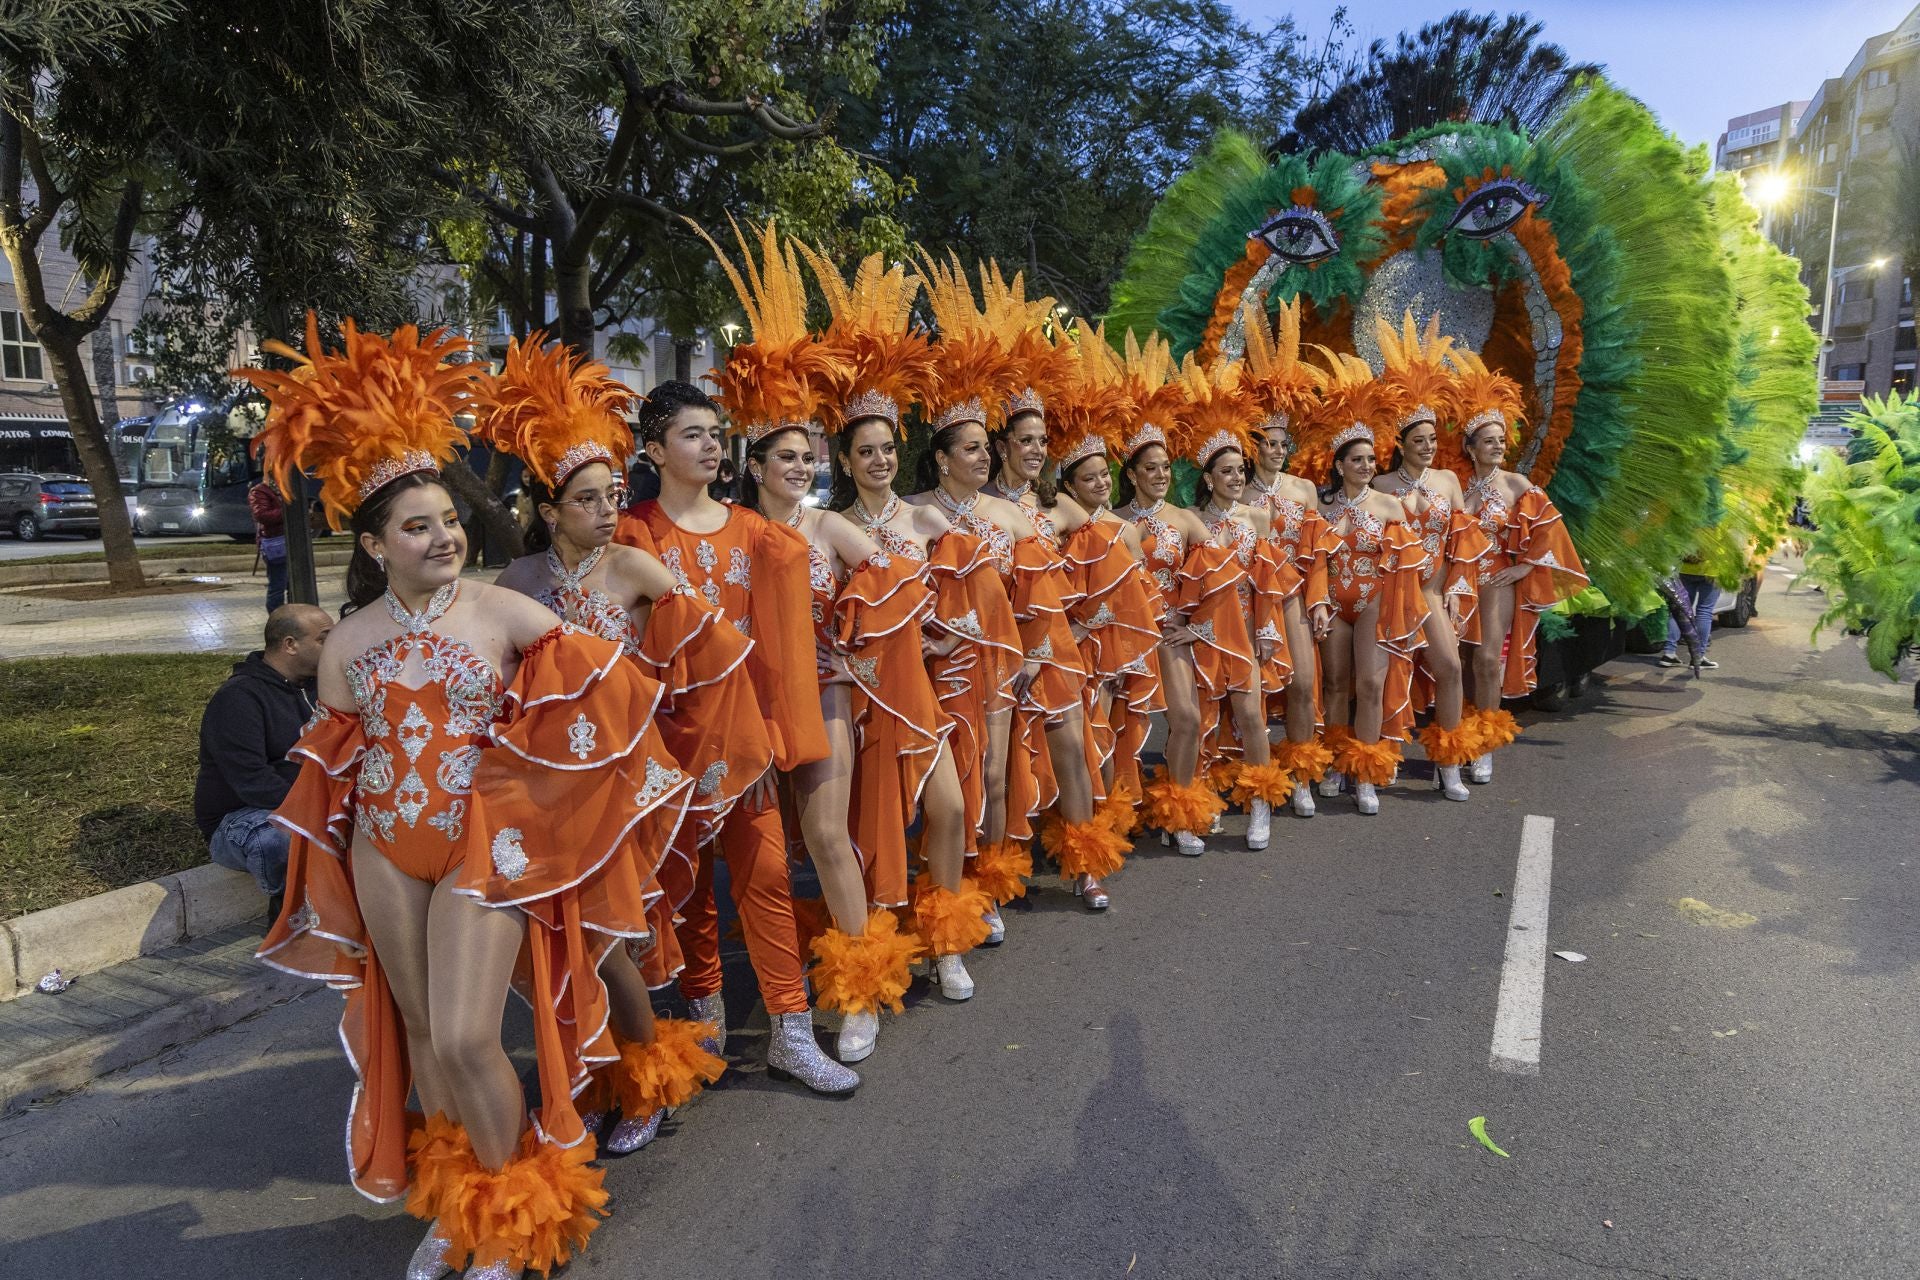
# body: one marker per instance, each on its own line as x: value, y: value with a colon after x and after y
x: 1523, y: 975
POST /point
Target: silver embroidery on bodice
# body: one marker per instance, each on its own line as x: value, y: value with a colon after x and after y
x: 588, y: 608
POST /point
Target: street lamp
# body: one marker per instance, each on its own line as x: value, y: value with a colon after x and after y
x: 1772, y: 189
x: 730, y: 332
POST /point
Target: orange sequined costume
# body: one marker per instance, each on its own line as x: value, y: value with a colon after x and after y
x: 541, y: 795
x: 1533, y: 534
x: 1379, y: 562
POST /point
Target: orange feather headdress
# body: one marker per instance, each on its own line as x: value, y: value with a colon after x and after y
x: 1154, y: 386
x: 1416, y: 369
x: 783, y: 377
x: 1480, y: 397
x: 555, y: 411
x: 1215, y: 411
x: 890, y: 363
x: 1020, y: 325
x: 1283, y: 388
x: 362, y: 417
x: 976, y: 370
x: 1088, y: 405
x: 1353, y: 403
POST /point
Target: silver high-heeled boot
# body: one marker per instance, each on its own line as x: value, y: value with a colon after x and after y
x: 429, y: 1261
x: 951, y: 976
x: 1482, y: 770
x: 501, y: 1270
x: 1330, y: 785
x: 858, y: 1032
x: 793, y: 1054
x: 1365, y: 798
x: 1302, y: 800
x: 1448, y: 783
x: 1259, y: 825
x: 711, y: 1009
x: 996, y: 928
x: 632, y: 1134
x: 1189, y: 844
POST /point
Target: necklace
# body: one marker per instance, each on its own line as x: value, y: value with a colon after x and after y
x: 887, y: 512
x: 422, y: 622
x: 1017, y: 493
x: 793, y: 521
x: 1482, y: 486
x: 954, y: 506
x: 1260, y: 486
x: 1142, y: 513
x: 1344, y: 507
x: 572, y: 581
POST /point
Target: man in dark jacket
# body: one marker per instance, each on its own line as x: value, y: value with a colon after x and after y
x: 250, y: 724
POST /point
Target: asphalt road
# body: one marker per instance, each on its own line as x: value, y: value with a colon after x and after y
x: 1255, y: 1065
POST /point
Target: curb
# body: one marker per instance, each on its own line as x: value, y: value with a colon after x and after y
x: 78, y: 1064
x: 123, y: 924
x: 30, y: 573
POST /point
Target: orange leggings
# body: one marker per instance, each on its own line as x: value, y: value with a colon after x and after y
x: 755, y: 847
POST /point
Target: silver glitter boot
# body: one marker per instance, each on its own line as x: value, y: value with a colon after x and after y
x: 1482, y: 770
x: 711, y: 1009
x: 858, y: 1034
x: 501, y: 1270
x: 1303, y: 800
x: 793, y: 1054
x: 1260, y: 825
x: 996, y: 928
x: 430, y: 1259
x: 630, y: 1135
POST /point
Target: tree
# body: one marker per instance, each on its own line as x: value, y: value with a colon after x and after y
x: 59, y: 179
x: 1465, y: 66
x: 1040, y: 134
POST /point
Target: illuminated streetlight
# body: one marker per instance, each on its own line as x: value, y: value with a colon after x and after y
x: 730, y: 332
x: 1770, y: 189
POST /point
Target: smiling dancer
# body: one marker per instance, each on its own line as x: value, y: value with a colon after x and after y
x: 1374, y: 566
x: 1452, y: 543
x: 1532, y: 565
x: 476, y: 788
x: 1285, y: 391
x: 563, y: 417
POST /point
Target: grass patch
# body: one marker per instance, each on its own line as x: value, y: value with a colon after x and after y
x: 99, y: 754
x: 185, y: 548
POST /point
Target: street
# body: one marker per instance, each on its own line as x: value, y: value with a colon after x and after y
x: 68, y: 544
x: 1255, y: 1064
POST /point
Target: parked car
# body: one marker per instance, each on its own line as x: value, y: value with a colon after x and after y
x: 1738, y: 608
x: 169, y: 506
x: 33, y: 504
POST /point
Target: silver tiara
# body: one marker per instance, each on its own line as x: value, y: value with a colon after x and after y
x: 387, y: 470
x: 872, y: 404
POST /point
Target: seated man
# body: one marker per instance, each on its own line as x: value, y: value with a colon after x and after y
x: 250, y: 724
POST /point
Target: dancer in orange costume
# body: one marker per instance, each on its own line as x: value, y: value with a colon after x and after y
x: 481, y: 797
x: 1374, y: 568
x: 1532, y: 565
x: 756, y: 574
x: 1050, y: 746
x: 564, y: 418
x: 1117, y: 615
x: 970, y: 641
x: 1284, y: 391
x: 1178, y: 801
x: 1233, y: 589
x: 1452, y: 543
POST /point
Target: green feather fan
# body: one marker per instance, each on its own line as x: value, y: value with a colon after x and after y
x: 1865, y: 551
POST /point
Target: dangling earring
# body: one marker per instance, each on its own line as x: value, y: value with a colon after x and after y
x: 380, y: 563
x: 943, y: 468
x: 757, y: 478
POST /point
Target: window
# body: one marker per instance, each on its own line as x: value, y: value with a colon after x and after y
x: 1879, y: 76
x: 1847, y: 373
x: 1906, y: 291
x: 1903, y: 337
x: 19, y: 353
x: 1903, y: 377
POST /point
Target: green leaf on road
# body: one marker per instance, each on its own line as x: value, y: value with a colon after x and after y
x: 1478, y: 1128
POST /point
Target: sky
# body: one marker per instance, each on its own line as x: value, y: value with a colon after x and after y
x: 1695, y: 62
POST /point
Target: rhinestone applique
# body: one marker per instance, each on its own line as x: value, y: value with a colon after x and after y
x: 450, y: 821
x: 580, y: 736
x: 412, y: 797
x: 710, y: 778
x: 866, y: 670
x: 376, y: 772
x: 1102, y: 617
x: 659, y: 780
x: 705, y: 556
x: 739, y: 569
x: 968, y: 624
x: 509, y: 858
x: 455, y: 774
x: 1042, y: 651
x: 415, y: 732
x: 303, y: 919
x: 1204, y: 630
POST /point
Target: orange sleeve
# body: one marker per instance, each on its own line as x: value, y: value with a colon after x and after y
x: 1118, y: 604
x: 1275, y: 581
x: 1039, y: 606
x: 631, y: 531
x: 1403, y: 619
x: 1466, y: 548
x: 1538, y: 536
x: 1223, y: 656
x: 1316, y: 543
x: 781, y: 663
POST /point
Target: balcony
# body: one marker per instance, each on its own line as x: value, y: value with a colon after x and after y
x: 1876, y: 104
x: 1875, y: 148
x: 1855, y: 313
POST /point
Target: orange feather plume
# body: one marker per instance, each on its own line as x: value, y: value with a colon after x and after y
x: 977, y: 372
x: 1416, y: 368
x: 378, y: 407
x: 555, y: 410
x: 890, y: 363
x: 1215, y: 412
x: 1154, y: 386
x: 1352, y: 397
x: 1087, y: 401
x: 1283, y: 388
x: 1478, y: 393
x: 784, y: 375
x: 1021, y: 325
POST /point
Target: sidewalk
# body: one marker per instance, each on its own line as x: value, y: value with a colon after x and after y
x: 226, y: 618
x: 133, y: 1012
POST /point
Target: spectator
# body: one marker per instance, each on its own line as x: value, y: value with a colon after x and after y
x: 643, y: 482
x: 1702, y: 597
x: 250, y: 724
x: 270, y: 535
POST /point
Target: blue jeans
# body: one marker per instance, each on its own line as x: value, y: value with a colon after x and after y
x: 276, y: 583
x: 248, y: 840
x: 1703, y: 594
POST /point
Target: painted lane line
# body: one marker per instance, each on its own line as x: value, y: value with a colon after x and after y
x: 1523, y: 975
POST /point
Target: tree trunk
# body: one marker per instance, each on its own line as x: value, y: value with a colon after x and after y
x: 683, y: 359
x: 96, y: 459
x: 573, y: 299
x: 502, y: 529
x: 105, y: 362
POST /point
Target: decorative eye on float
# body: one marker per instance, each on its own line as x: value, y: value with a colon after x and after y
x: 1493, y: 208
x: 1300, y: 235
